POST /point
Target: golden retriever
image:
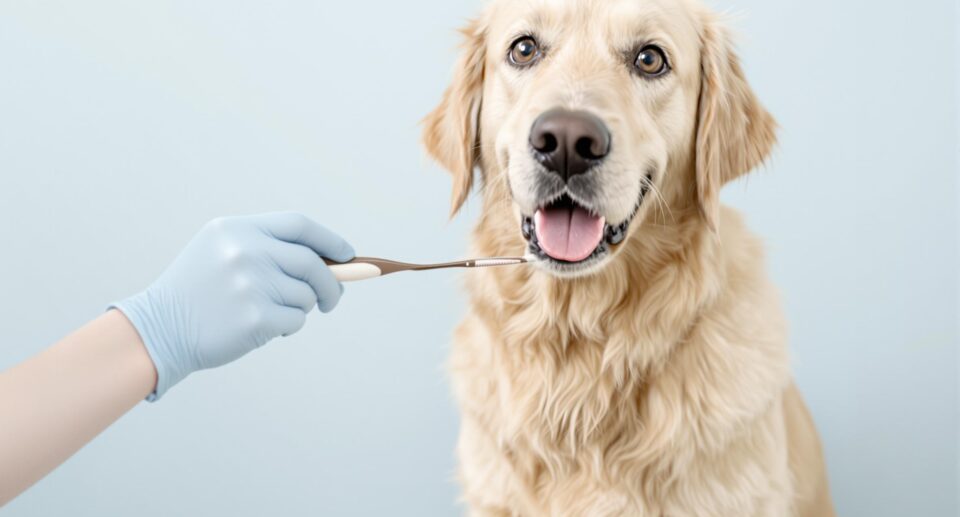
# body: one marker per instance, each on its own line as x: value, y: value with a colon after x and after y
x: 640, y: 367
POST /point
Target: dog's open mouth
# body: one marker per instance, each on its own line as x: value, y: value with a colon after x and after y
x: 566, y: 232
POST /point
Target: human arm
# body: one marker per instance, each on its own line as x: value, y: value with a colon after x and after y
x: 57, y: 401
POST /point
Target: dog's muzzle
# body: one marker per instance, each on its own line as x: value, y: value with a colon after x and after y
x: 567, y: 227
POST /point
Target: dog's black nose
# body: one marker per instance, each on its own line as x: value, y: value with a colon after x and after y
x: 569, y: 142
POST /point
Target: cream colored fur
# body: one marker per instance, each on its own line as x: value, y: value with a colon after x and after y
x: 659, y: 384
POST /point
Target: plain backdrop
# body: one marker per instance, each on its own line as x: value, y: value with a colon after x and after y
x: 124, y: 126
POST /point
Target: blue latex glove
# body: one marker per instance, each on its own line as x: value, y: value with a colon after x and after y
x: 239, y: 283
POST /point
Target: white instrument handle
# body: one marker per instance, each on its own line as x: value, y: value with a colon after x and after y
x: 355, y: 271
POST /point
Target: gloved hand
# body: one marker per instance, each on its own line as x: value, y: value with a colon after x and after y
x: 239, y: 283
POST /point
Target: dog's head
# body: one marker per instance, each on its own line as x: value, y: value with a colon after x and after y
x: 590, y: 114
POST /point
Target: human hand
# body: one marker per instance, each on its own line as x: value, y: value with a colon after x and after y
x: 239, y: 283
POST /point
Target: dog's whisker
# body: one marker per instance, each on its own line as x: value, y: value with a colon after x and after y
x: 658, y: 197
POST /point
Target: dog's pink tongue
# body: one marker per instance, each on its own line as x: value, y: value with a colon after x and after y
x: 568, y: 233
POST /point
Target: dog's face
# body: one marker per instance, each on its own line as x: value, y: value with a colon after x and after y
x: 584, y: 107
x: 589, y: 111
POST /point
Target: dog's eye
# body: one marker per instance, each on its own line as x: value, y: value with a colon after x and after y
x: 651, y: 62
x: 524, y: 52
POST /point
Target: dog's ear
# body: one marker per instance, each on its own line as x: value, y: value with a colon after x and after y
x: 451, y: 130
x: 734, y: 132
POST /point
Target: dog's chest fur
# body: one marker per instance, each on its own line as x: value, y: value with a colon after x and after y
x: 586, y: 399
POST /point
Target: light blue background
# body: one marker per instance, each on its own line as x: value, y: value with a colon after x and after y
x: 125, y: 125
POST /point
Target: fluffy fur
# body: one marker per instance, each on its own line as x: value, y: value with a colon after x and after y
x: 657, y: 384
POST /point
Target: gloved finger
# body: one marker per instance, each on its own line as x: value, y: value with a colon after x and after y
x: 300, y: 229
x: 293, y: 292
x: 302, y: 263
x: 284, y: 321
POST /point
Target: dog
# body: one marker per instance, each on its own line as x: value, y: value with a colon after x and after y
x: 640, y: 366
